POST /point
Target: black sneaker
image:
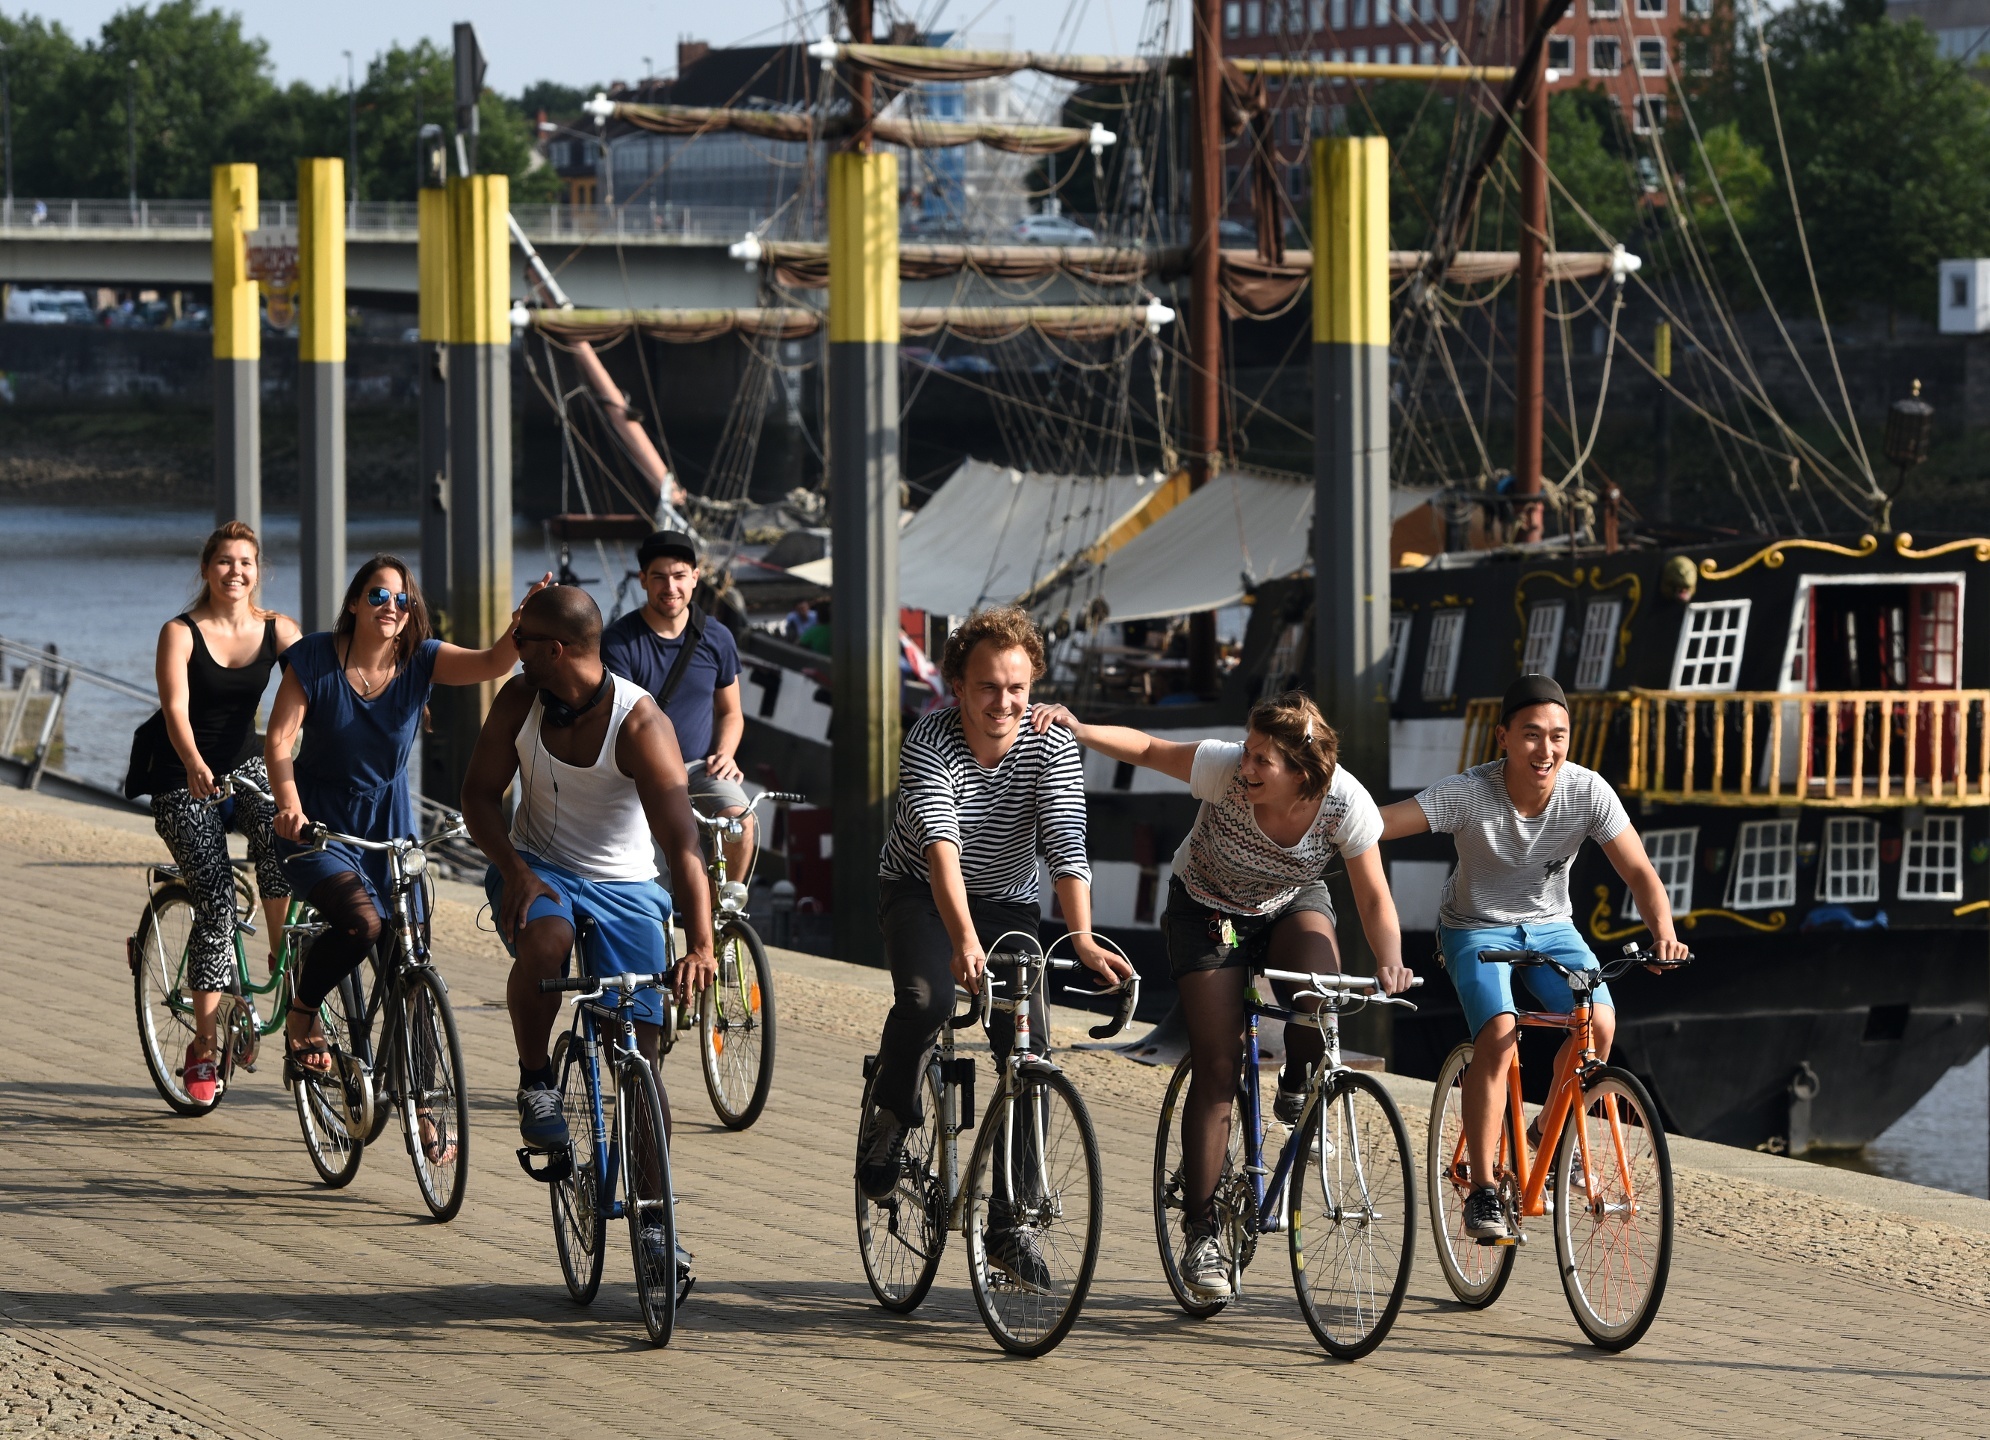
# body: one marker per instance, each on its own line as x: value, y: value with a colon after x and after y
x: 542, y: 1120
x: 881, y: 1155
x: 1485, y: 1217
x: 653, y: 1242
x: 1288, y: 1105
x: 1014, y: 1251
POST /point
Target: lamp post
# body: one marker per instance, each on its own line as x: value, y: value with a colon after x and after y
x: 131, y: 132
x: 351, y: 145
x: 7, y: 122
x: 421, y: 121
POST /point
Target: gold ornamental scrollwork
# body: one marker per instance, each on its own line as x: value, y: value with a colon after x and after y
x: 1903, y: 545
x: 1772, y: 556
x: 1599, y: 919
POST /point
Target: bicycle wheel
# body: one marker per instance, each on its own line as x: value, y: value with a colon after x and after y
x: 368, y: 985
x: 902, y: 1236
x: 646, y: 1182
x: 435, y: 1111
x: 165, y: 1011
x: 736, y: 1027
x: 580, y: 1221
x: 1046, y: 1191
x: 1352, y: 1216
x: 1613, y: 1216
x: 1236, y: 1246
x: 1476, y: 1273
x: 335, y: 1111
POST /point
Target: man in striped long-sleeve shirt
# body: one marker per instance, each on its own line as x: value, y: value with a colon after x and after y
x: 980, y: 796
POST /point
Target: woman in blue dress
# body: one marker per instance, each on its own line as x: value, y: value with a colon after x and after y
x: 357, y: 695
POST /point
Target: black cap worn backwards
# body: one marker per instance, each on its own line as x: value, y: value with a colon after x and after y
x: 674, y: 543
x: 1531, y: 690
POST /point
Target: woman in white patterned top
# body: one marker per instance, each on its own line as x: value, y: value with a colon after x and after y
x: 1248, y: 891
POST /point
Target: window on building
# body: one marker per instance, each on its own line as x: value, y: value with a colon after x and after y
x: 1599, y: 8
x: 1544, y: 638
x: 1427, y: 11
x: 1931, y: 860
x: 1451, y: 54
x: 1671, y: 854
x: 1361, y: 13
x: 1561, y: 53
x: 1426, y: 53
x: 1647, y: 114
x: 1606, y: 55
x: 1695, y: 54
x: 1253, y: 17
x: 1360, y: 55
x: 1651, y: 55
x: 1934, y: 621
x: 1850, y: 869
x: 1651, y: 7
x: 1405, y: 55
x: 1699, y: 7
x: 1449, y: 9
x: 1339, y: 13
x: 1710, y: 641
x: 1318, y: 11
x: 1440, y: 659
x: 1599, y: 644
x: 1765, y: 866
x: 1399, y: 651
x: 1233, y: 19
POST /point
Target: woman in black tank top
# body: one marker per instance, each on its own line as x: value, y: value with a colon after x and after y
x: 213, y: 665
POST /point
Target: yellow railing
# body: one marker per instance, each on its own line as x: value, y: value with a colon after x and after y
x: 1849, y: 748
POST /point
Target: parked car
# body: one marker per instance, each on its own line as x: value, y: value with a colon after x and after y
x: 1052, y: 230
x: 48, y: 307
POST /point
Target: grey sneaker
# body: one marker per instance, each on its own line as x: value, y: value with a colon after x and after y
x: 653, y: 1242
x: 542, y: 1121
x: 1485, y: 1217
x: 881, y: 1157
x: 1205, y: 1272
x: 1014, y: 1252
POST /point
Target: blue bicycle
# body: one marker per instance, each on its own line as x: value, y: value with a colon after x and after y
x: 634, y: 1156
x: 1342, y: 1189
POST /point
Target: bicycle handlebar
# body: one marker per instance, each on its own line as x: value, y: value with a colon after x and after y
x: 228, y: 786
x: 1633, y: 956
x: 594, y: 985
x: 1366, y: 987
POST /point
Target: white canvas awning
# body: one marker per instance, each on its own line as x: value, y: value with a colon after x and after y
x: 1195, y: 557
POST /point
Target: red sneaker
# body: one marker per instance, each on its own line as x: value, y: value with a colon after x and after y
x: 201, y: 1079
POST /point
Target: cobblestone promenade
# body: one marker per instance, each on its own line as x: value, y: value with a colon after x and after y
x: 160, y: 1276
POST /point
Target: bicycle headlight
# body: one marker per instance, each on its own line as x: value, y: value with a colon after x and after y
x: 732, y: 896
x: 414, y: 860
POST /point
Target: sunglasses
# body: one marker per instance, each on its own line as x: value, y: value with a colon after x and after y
x: 379, y: 595
x: 519, y: 637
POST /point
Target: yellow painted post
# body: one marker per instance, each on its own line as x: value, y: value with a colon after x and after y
x: 1351, y: 484
x: 1661, y: 421
x: 863, y: 460
x: 479, y: 364
x: 238, y: 350
x: 321, y: 345
x: 432, y: 262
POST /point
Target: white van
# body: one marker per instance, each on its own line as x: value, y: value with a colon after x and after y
x: 48, y: 307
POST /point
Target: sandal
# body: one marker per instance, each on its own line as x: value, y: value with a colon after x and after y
x: 438, y: 1149
x: 300, y: 1051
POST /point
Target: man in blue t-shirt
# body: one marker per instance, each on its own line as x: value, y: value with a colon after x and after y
x: 699, y: 692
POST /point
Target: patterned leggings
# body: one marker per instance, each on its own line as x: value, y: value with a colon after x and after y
x: 194, y: 831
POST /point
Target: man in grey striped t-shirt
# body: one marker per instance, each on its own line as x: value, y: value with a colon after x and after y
x: 980, y: 796
x: 1518, y: 823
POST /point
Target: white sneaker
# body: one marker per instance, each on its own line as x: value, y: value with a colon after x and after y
x: 1205, y: 1273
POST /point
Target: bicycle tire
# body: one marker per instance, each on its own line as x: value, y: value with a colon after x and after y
x: 580, y: 1220
x: 365, y: 1004
x: 431, y: 1080
x: 333, y: 1110
x: 1476, y: 1273
x: 639, y: 1119
x: 736, y: 1027
x: 1351, y: 1266
x: 1025, y: 1321
x: 1613, y: 1252
x: 902, y: 1237
x: 164, y: 1030
x: 1167, y: 1192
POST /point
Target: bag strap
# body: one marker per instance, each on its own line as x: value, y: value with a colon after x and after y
x: 694, y: 635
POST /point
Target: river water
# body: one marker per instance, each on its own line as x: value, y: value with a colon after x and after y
x: 99, y: 582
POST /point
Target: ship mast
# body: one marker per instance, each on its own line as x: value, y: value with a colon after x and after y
x: 1531, y: 293
x: 1205, y: 325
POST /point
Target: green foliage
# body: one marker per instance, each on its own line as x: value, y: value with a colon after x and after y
x: 557, y: 100
x: 204, y: 96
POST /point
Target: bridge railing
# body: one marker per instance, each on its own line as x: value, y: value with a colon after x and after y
x: 644, y: 221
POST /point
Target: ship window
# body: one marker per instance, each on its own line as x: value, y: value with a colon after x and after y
x: 1599, y: 638
x: 1710, y: 643
x: 1399, y: 652
x: 1671, y: 853
x: 1440, y: 660
x: 1765, y: 865
x: 1934, y: 623
x: 1931, y: 860
x: 1544, y: 638
x: 1850, y: 872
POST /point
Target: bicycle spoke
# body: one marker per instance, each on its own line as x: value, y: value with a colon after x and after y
x: 1352, y: 1216
x: 1613, y: 1217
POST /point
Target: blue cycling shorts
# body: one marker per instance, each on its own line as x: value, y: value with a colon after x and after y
x: 1485, y: 988
x: 631, y: 920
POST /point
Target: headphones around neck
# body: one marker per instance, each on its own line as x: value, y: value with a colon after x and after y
x: 558, y: 714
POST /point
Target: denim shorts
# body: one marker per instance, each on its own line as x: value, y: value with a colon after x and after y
x: 1485, y: 988
x: 631, y: 918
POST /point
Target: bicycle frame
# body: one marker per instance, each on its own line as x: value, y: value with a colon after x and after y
x: 589, y: 1017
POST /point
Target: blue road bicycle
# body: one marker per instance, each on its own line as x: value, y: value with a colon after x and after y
x: 1341, y: 1190
x: 627, y: 1149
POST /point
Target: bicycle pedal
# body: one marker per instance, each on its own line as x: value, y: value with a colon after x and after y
x: 559, y: 1165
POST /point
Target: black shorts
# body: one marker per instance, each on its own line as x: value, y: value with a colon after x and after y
x: 1191, y: 929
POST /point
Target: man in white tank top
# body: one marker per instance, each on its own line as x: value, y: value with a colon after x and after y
x: 599, y: 774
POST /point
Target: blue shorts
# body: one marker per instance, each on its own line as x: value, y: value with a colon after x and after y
x: 631, y: 923
x: 1486, y: 989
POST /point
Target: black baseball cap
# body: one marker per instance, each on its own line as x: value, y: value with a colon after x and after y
x: 1531, y: 690
x: 673, y: 543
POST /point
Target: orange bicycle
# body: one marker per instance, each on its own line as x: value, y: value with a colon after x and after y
x: 1608, y: 1188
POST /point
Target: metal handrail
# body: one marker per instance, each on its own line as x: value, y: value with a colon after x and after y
x: 15, y: 650
x: 389, y: 220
